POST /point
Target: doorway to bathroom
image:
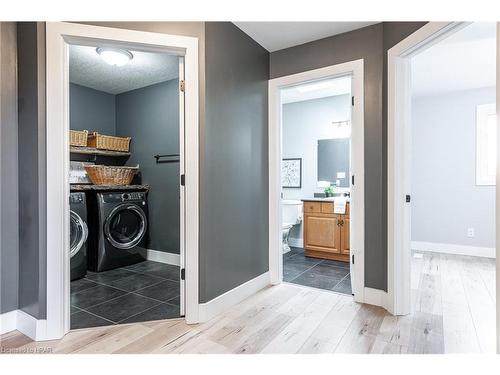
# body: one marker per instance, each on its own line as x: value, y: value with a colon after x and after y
x: 316, y: 205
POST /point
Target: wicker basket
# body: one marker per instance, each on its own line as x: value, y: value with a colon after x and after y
x: 108, y: 142
x: 108, y: 175
x: 78, y: 137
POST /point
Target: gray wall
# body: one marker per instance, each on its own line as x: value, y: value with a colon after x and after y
x: 443, y: 176
x: 9, y: 245
x: 150, y: 116
x: 371, y: 44
x: 304, y: 123
x: 32, y: 167
x: 91, y: 110
x: 234, y: 162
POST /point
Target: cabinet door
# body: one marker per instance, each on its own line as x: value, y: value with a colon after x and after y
x: 345, y: 235
x: 322, y: 233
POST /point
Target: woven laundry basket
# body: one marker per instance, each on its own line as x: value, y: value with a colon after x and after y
x: 110, y: 175
x: 78, y: 138
x: 109, y: 142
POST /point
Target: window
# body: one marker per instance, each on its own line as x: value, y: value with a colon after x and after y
x: 486, y: 144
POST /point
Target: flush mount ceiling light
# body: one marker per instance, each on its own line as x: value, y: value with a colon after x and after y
x: 114, y: 56
x: 316, y: 86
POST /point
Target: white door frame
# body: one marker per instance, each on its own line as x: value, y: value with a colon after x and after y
x: 398, y: 158
x: 498, y: 196
x: 357, y: 234
x: 58, y: 36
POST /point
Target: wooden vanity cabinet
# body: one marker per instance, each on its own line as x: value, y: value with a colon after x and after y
x: 326, y: 234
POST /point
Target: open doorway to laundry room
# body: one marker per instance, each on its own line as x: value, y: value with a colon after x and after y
x: 126, y: 139
x: 316, y: 179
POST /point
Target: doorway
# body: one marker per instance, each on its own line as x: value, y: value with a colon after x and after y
x: 60, y: 38
x: 352, y: 72
x: 442, y: 266
x: 125, y: 163
x: 316, y: 129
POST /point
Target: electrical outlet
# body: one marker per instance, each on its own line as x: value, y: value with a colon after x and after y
x: 470, y: 232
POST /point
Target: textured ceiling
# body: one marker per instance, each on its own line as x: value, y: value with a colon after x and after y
x: 274, y: 36
x: 88, y: 69
x: 463, y: 61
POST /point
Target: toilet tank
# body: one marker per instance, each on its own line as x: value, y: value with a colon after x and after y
x: 292, y: 211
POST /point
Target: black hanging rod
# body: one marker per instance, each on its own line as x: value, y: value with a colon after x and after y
x: 159, y: 156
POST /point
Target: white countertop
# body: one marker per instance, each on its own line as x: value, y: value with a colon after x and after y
x: 329, y: 199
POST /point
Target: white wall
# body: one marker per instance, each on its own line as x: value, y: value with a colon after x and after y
x: 445, y: 199
x: 303, y: 124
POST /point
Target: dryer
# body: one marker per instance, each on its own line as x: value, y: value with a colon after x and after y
x: 78, y: 235
x: 119, y: 230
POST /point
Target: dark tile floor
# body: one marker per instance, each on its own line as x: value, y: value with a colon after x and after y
x: 141, y: 292
x: 316, y: 273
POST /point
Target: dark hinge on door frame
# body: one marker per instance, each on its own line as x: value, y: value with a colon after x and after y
x: 183, y: 274
x: 183, y: 85
x: 352, y: 258
x: 183, y: 180
x: 352, y: 101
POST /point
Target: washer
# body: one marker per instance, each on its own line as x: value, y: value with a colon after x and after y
x: 78, y: 235
x: 120, y: 225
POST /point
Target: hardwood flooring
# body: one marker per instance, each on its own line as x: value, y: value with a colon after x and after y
x: 453, y: 299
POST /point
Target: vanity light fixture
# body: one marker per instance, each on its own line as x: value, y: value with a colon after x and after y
x: 114, y: 56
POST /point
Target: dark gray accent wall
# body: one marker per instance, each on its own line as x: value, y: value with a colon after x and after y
x: 150, y: 116
x: 370, y: 44
x: 9, y: 243
x: 91, y: 110
x: 32, y: 169
x: 233, y: 161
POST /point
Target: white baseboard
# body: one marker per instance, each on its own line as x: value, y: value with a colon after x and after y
x: 486, y: 252
x: 163, y: 257
x: 218, y: 305
x: 375, y: 297
x: 31, y: 327
x: 24, y: 323
x: 296, y: 242
x: 8, y: 321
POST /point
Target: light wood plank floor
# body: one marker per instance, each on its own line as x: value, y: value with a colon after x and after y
x: 453, y: 300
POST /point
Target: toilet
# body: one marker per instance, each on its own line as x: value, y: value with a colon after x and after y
x: 291, y: 215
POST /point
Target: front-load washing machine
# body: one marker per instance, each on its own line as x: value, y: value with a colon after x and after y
x: 119, y: 230
x: 78, y: 235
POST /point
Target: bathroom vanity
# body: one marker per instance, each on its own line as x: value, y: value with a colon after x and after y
x: 326, y: 234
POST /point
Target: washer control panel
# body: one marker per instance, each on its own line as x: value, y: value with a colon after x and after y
x: 133, y: 196
x: 76, y: 198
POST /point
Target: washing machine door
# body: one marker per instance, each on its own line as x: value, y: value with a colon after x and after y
x: 125, y: 226
x: 78, y: 233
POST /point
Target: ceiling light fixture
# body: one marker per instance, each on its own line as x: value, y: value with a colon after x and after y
x: 316, y: 86
x: 114, y: 56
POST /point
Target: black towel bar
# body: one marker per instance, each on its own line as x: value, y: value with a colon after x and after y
x: 159, y: 156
